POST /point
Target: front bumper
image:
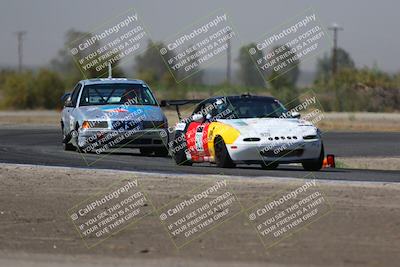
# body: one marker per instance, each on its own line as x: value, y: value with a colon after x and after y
x: 105, y: 138
x: 282, y: 152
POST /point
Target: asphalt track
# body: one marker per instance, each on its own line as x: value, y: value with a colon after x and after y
x: 41, y: 146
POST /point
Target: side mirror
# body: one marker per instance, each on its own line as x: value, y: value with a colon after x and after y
x: 65, y: 97
x: 295, y: 114
x: 68, y: 102
x: 198, y: 117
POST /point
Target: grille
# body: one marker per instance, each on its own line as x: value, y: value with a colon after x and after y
x: 131, y: 125
x: 153, y: 124
x: 127, y: 125
x: 271, y: 138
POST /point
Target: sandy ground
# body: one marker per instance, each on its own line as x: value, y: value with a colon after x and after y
x: 361, y: 229
x: 334, y: 121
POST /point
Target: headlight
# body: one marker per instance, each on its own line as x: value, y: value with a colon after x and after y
x: 310, y: 137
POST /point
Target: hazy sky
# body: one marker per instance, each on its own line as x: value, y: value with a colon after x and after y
x: 372, y: 32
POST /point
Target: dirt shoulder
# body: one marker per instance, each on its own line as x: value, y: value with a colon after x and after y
x: 362, y: 227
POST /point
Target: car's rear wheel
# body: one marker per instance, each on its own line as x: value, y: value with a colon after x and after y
x: 179, y: 148
x: 316, y: 164
x: 269, y: 165
x: 222, y: 157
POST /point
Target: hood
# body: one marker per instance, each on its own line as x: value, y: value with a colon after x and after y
x: 121, y: 112
x: 265, y: 127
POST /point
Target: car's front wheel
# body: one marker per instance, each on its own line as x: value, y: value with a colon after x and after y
x: 67, y: 146
x: 315, y: 164
x: 222, y: 157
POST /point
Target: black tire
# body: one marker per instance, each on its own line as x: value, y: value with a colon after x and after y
x: 146, y: 151
x: 269, y: 165
x: 178, y: 150
x: 315, y: 165
x: 161, y: 152
x: 222, y: 157
x: 75, y: 134
x: 69, y: 147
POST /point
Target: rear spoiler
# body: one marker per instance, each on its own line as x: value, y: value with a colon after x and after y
x: 177, y: 103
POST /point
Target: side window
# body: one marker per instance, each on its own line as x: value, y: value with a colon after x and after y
x: 75, y: 94
x: 199, y: 108
x: 209, y: 109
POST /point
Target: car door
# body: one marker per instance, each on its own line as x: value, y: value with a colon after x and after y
x: 197, y: 137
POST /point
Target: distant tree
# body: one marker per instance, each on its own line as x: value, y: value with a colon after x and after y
x: 28, y: 91
x: 4, y: 73
x: 18, y: 91
x: 151, y: 65
x: 324, y: 64
x: 248, y: 72
x: 195, y: 74
x: 283, y: 81
x: 286, y: 76
x: 48, y: 89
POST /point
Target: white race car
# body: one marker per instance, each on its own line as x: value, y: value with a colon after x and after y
x: 246, y: 129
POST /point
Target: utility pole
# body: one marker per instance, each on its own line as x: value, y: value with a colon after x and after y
x: 20, y: 38
x: 228, y: 58
x: 335, y: 28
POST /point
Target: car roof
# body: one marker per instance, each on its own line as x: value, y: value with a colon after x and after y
x: 111, y: 80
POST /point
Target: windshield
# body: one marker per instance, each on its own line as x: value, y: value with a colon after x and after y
x: 244, y: 108
x: 110, y: 94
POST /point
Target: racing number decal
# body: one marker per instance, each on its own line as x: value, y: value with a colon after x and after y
x: 197, y: 140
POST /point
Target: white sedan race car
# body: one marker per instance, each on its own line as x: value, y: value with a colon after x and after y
x: 105, y: 113
x: 246, y: 129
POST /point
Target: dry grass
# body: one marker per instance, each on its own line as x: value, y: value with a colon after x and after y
x: 361, y: 121
x: 369, y: 163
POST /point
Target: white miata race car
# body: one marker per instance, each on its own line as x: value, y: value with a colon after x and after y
x: 246, y: 129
